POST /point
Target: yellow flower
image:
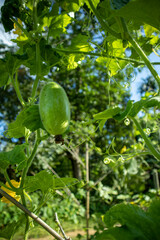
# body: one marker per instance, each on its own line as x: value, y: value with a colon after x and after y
x: 18, y: 31
x: 123, y: 149
x: 10, y: 192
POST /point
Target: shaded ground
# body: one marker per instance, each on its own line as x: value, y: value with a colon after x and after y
x: 69, y: 234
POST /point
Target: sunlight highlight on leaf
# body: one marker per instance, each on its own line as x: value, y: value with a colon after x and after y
x: 116, y: 49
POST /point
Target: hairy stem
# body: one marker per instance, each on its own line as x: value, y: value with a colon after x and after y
x: 24, y: 174
x: 29, y: 162
x: 154, y: 152
x: 38, y: 65
x: 27, y: 219
x: 35, y: 85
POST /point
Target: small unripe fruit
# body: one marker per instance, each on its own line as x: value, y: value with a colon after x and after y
x: 54, y: 108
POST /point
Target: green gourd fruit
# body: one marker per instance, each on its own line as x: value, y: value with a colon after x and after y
x: 54, y: 108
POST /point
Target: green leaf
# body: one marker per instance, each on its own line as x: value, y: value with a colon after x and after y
x: 48, y: 55
x: 45, y: 180
x: 13, y: 61
x: 60, y: 183
x: 149, y: 30
x: 41, y: 181
x: 43, y: 7
x: 9, y: 9
x: 72, y: 5
x: 95, y: 3
x: 4, y: 75
x: 27, y: 49
x: 101, y: 124
x: 32, y: 120
x: 31, y: 63
x: 15, y: 156
x: 134, y: 222
x: 152, y: 102
x: 28, y: 118
x: 108, y: 113
x: 121, y: 116
x: 131, y: 110
x: 8, y: 231
x: 154, y: 39
x: 143, y: 11
x: 72, y: 61
x: 57, y: 24
x: 133, y: 218
x: 117, y: 4
x: 113, y: 65
x: 16, y: 129
x: 117, y: 233
x: 137, y: 106
x: 79, y: 43
x: 126, y: 221
x: 11, y: 228
x: 116, y: 49
x: 153, y: 212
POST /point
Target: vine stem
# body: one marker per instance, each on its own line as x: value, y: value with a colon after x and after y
x: 38, y: 65
x: 24, y: 174
x: 35, y: 85
x: 27, y: 219
x: 103, y: 24
x: 16, y: 87
x: 101, y: 55
x: 154, y: 152
x: 145, y: 59
x: 127, y: 36
x: 130, y: 154
x: 9, y: 181
x: 32, y: 215
x: 29, y: 162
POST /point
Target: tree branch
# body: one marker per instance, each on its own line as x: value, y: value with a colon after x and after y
x: 60, y: 227
x: 74, y: 154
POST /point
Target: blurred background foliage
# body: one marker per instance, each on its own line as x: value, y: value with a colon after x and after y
x: 130, y: 178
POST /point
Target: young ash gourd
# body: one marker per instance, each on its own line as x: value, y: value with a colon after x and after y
x: 54, y: 108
